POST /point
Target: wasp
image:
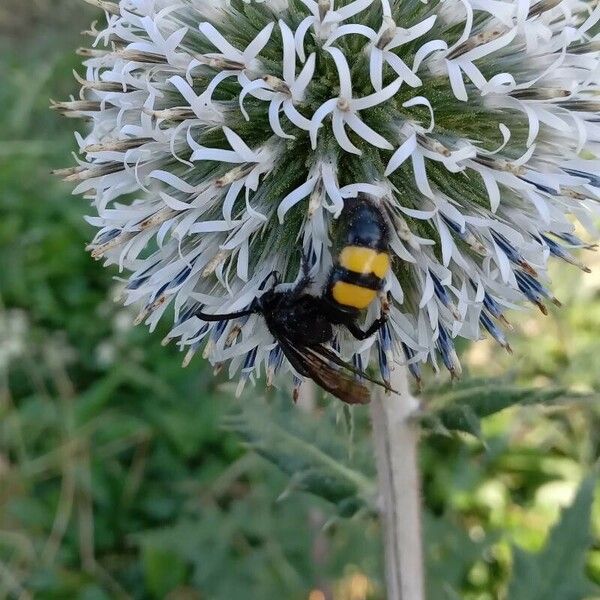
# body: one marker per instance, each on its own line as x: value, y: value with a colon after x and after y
x: 303, y: 323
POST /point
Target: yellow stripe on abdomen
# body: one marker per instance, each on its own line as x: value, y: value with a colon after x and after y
x: 365, y: 261
x: 348, y: 294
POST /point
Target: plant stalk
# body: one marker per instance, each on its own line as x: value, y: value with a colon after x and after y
x: 396, y: 439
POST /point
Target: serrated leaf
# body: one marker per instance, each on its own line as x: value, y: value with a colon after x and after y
x: 557, y: 572
x: 315, y: 459
x: 460, y: 407
x: 459, y: 418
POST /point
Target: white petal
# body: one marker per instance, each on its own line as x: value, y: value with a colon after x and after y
x: 257, y: 84
x: 503, y: 263
x: 251, y: 211
x: 215, y: 38
x: 320, y: 114
x: 232, y: 194
x: 289, y: 53
x: 456, y: 81
x: 414, y: 32
x: 217, y: 79
x: 173, y: 181
x: 402, y: 70
x: 258, y: 43
x: 468, y: 21
x: 405, y: 150
x: 351, y: 30
x: 422, y: 101
x: 300, y: 34
x: 474, y: 74
x: 399, y: 249
x: 490, y: 47
x: 420, y: 172
x: 541, y: 206
x: 339, y: 131
x: 353, y: 9
x: 428, y: 291
x: 296, y: 196
x: 216, y: 154
x: 332, y: 189
x: 491, y: 185
x: 524, y: 159
x: 299, y: 87
x: 242, y: 261
x: 274, y: 109
x: 423, y: 215
x: 240, y: 147
x: 506, y: 134
x: 173, y: 203
x: 354, y: 189
x: 376, y: 68
x: 343, y: 72
x: 425, y: 50
x: 366, y: 133
x: 312, y: 6
x: 213, y: 226
x: 298, y: 119
x: 387, y: 9
x: 591, y: 20
x: 446, y: 240
x: 389, y: 91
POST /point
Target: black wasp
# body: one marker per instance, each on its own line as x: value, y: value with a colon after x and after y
x: 302, y: 323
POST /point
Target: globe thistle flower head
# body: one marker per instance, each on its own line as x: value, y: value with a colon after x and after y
x: 226, y: 138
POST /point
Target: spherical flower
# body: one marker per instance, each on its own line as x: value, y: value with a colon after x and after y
x: 226, y: 137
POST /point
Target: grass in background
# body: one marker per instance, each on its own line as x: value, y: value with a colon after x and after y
x: 117, y: 479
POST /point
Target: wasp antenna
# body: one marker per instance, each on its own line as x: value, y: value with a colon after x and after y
x: 275, y: 276
x: 224, y: 317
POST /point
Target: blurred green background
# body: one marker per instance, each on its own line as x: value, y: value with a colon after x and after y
x: 123, y: 475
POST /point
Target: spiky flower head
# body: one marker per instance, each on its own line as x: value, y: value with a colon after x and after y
x: 226, y: 137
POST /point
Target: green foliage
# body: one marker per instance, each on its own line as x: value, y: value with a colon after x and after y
x: 558, y: 571
x: 118, y: 479
x: 163, y: 570
x: 314, y: 455
x: 449, y: 554
x: 461, y: 406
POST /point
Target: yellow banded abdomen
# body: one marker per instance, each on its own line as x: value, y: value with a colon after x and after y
x: 365, y: 261
x: 354, y: 296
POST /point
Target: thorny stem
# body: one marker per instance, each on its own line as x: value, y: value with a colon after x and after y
x: 396, y: 440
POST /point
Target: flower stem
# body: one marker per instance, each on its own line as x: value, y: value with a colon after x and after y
x: 396, y: 439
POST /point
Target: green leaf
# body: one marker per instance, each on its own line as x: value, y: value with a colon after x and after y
x: 449, y: 553
x: 163, y: 570
x: 314, y: 456
x: 460, y: 407
x: 557, y: 572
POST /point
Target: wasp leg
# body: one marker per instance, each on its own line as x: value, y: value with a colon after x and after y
x: 306, y: 280
x: 385, y: 299
x: 360, y: 335
x: 275, y: 275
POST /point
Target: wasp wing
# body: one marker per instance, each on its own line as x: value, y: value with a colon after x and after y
x: 309, y: 362
x: 334, y: 358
